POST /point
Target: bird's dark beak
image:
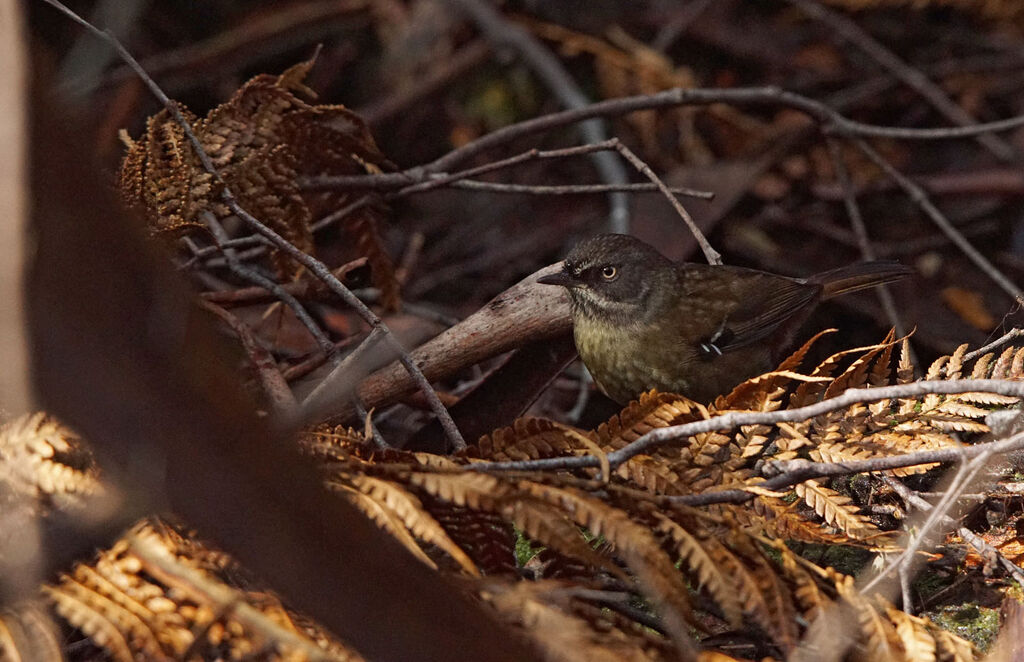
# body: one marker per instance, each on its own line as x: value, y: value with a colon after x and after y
x: 558, y: 278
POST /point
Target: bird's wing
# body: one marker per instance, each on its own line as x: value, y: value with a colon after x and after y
x: 759, y: 318
x: 761, y: 304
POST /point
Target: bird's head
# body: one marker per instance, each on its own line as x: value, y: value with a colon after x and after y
x: 610, y: 277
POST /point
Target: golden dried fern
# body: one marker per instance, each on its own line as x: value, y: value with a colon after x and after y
x: 45, y: 461
x: 157, y: 594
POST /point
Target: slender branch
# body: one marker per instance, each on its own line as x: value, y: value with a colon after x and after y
x: 998, y: 342
x: 576, y: 189
x: 914, y: 78
x: 301, y: 289
x: 860, y: 230
x: 318, y: 268
x: 271, y: 287
x: 712, y: 256
x: 832, y: 122
x: 281, y: 398
x: 917, y: 194
x: 663, y: 436
x: 549, y: 69
x: 425, y: 181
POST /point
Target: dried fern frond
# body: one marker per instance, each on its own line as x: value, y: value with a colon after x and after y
x: 261, y: 141
x: 174, y: 599
x: 47, y: 462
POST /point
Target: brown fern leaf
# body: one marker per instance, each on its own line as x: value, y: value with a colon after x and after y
x: 780, y: 619
x: 743, y: 579
x: 918, y: 643
x: 809, y: 392
x: 949, y: 647
x: 882, y: 369
x: 856, y: 375
x: 549, y: 527
x: 135, y: 610
x: 47, y: 462
x: 386, y: 519
x: 632, y: 543
x: 486, y: 537
x: 526, y: 439
x: 559, y: 634
x: 261, y: 141
x: 781, y: 521
x: 836, y: 510
x: 652, y: 474
x: 411, y: 513
x: 708, y: 571
x: 651, y: 410
x: 878, y: 637
x: 905, y: 368
x: 806, y: 587
x: 471, y: 490
x: 793, y: 361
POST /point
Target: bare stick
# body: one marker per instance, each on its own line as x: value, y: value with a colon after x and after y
x: 253, y: 276
x: 998, y: 342
x: 301, y: 289
x: 281, y: 398
x: 527, y: 311
x: 318, y: 268
x: 985, y: 550
x: 914, y: 78
x: 860, y: 230
x: 575, y: 189
x: 424, y: 181
x: 917, y: 194
x: 832, y: 122
x: 662, y: 436
x: 501, y: 33
x: 712, y: 256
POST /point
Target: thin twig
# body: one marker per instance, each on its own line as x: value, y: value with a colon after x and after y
x: 968, y: 470
x: 549, y: 69
x: 280, y: 396
x: 860, y: 230
x: 302, y: 289
x: 712, y: 256
x: 318, y: 268
x: 985, y: 550
x: 267, y: 284
x: 998, y: 342
x: 990, y: 554
x: 797, y: 470
x: 832, y: 122
x: 914, y: 78
x: 917, y: 194
x: 417, y: 181
x: 577, y: 189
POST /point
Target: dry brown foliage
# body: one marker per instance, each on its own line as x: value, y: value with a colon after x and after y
x: 261, y: 141
x: 719, y: 571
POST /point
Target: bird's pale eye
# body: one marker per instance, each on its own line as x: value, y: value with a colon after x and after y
x: 609, y: 273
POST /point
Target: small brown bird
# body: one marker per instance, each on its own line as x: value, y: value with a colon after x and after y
x: 641, y: 321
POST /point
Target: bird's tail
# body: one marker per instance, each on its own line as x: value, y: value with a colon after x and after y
x: 859, y: 276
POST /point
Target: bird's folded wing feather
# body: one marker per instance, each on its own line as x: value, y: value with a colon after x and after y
x: 759, y: 317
